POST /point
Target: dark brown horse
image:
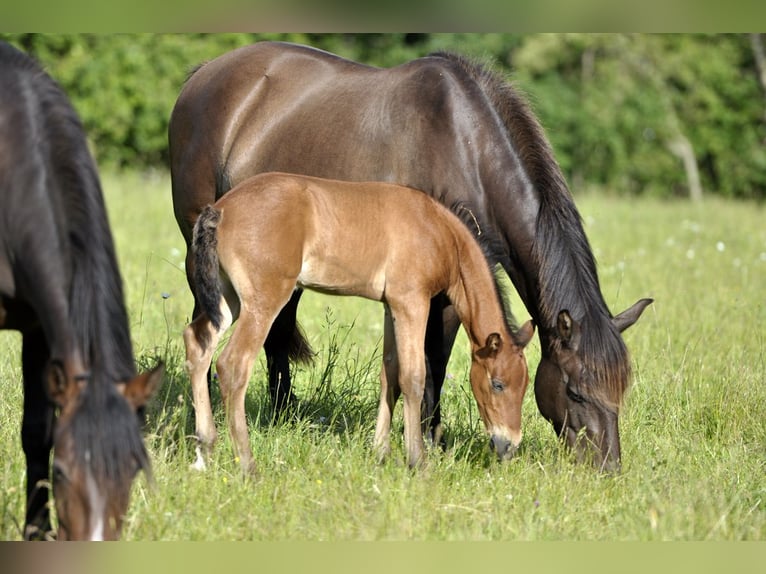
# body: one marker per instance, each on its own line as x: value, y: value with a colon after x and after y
x: 275, y: 232
x: 61, y: 288
x: 443, y: 125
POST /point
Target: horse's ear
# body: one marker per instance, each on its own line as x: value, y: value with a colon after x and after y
x: 140, y: 389
x: 568, y: 330
x: 631, y: 314
x: 525, y: 333
x: 61, y: 388
x: 491, y: 347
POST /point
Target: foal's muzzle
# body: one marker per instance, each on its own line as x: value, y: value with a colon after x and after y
x: 503, y: 448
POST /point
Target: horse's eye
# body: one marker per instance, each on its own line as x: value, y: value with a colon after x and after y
x: 59, y: 476
x: 497, y: 385
x: 574, y: 395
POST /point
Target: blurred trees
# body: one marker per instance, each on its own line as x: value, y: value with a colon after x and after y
x: 632, y: 114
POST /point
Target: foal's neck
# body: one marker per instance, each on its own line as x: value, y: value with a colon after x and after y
x: 474, y: 294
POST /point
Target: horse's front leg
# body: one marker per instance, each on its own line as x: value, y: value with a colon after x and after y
x: 441, y: 330
x: 36, y: 436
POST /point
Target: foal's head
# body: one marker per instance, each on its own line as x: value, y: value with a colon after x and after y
x: 499, y: 379
x: 98, y: 450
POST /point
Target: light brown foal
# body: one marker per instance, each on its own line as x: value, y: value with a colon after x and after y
x: 275, y: 232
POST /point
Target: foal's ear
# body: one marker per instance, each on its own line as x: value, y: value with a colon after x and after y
x: 140, y: 389
x: 61, y: 389
x: 491, y: 347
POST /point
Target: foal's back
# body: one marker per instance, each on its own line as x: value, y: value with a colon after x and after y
x: 339, y: 237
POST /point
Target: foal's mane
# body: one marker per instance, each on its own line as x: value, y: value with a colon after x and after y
x: 567, y: 269
x: 96, y: 303
x: 492, y: 249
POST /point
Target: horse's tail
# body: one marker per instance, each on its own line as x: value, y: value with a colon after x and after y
x: 207, y: 284
x: 298, y: 348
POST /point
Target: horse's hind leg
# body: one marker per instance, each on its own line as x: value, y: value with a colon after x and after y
x: 277, y: 347
x: 36, y: 434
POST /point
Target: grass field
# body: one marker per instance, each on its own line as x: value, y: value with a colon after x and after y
x: 693, y: 428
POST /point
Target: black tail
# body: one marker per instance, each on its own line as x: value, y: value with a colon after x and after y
x: 207, y: 285
x: 298, y: 349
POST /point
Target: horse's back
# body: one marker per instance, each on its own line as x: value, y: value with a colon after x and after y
x: 289, y: 108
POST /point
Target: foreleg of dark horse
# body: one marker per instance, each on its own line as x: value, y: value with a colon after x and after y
x: 36, y: 435
x: 441, y: 331
x: 277, y: 348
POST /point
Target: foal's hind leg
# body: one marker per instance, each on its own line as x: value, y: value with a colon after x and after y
x: 36, y: 435
x: 201, y: 339
x: 235, y: 364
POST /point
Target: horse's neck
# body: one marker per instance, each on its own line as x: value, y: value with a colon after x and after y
x: 474, y: 295
x: 565, y: 278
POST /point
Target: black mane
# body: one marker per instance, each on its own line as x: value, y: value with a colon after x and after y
x: 567, y: 275
x: 75, y: 206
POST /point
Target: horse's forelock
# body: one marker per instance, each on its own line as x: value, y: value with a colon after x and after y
x: 113, y: 456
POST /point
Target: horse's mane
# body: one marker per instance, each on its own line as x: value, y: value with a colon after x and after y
x: 96, y: 303
x: 567, y: 269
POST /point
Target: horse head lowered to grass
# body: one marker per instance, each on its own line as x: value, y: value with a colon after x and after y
x: 452, y: 129
x: 276, y: 232
x: 61, y: 288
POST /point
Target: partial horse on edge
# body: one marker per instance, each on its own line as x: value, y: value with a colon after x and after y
x: 61, y: 288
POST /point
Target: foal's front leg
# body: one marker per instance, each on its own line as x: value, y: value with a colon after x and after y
x: 409, y: 318
x: 389, y: 389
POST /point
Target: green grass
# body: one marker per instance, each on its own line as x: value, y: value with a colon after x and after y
x: 693, y: 428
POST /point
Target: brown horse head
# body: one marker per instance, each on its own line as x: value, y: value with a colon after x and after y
x: 98, y: 450
x: 499, y: 379
x: 567, y: 394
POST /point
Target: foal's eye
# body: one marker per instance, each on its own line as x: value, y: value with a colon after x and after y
x: 497, y: 385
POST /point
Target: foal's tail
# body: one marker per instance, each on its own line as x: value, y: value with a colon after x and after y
x: 207, y: 285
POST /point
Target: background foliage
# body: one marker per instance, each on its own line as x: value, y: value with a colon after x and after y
x: 623, y: 111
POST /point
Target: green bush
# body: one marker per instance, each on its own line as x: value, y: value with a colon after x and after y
x: 612, y: 104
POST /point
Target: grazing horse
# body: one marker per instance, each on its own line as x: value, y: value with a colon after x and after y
x: 275, y: 232
x: 453, y: 129
x: 61, y: 288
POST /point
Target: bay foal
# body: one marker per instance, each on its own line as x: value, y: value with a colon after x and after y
x: 275, y: 232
